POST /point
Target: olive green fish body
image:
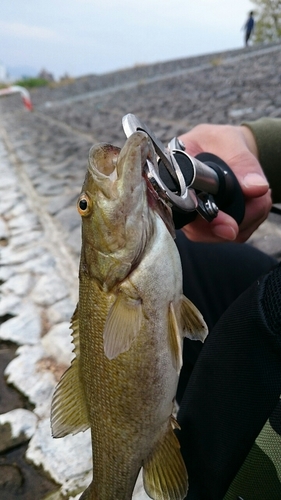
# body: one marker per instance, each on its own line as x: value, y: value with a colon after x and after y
x: 127, y: 333
x: 130, y: 398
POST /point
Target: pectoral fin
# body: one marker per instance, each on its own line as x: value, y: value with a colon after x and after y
x: 164, y: 472
x: 122, y: 325
x: 175, y: 339
x: 193, y: 322
x: 69, y: 412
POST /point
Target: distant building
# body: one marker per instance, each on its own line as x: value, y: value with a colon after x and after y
x: 3, y: 72
x: 45, y: 75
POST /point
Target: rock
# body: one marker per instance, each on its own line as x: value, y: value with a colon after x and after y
x: 25, y: 238
x: 61, y: 201
x: 4, y: 233
x: 11, y: 479
x: 29, y: 375
x: 49, y: 289
x: 74, y: 240
x: 20, y: 213
x: 57, y: 496
x: 61, y: 311
x: 23, y: 223
x: 139, y: 492
x: 57, y: 343
x: 16, y: 427
x: 24, y: 328
x: 68, y: 460
x: 19, y: 284
x: 10, y: 304
x: 267, y: 238
x: 26, y: 255
x: 69, y: 218
x: 40, y: 264
x: 50, y: 186
x: 6, y: 272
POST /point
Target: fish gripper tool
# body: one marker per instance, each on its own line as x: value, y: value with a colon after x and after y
x: 203, y: 184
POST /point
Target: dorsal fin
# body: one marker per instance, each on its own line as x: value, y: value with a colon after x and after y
x: 69, y: 412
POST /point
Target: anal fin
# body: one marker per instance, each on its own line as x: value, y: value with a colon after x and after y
x: 164, y: 473
x: 194, y: 326
x: 69, y: 412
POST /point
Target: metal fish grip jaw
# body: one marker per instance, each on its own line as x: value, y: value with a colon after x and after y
x: 204, y: 184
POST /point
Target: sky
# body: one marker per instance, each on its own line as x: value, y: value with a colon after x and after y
x: 81, y: 37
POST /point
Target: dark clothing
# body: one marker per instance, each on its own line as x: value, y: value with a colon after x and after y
x: 249, y: 26
x: 231, y: 385
x: 267, y: 134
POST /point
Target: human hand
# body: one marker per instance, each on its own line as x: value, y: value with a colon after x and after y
x: 236, y: 146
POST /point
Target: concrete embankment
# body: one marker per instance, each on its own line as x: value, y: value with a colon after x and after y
x: 43, y: 157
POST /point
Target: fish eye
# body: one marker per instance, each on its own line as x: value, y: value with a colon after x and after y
x: 84, y: 204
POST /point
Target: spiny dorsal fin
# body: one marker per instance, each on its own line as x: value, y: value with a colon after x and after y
x: 193, y: 323
x: 122, y: 325
x: 164, y: 472
x: 175, y: 339
x: 69, y: 412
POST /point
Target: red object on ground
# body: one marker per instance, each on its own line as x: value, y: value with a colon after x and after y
x: 24, y: 95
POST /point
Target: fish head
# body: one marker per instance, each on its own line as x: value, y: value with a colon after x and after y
x: 117, y: 206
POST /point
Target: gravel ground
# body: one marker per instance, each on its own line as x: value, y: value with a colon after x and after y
x: 43, y: 157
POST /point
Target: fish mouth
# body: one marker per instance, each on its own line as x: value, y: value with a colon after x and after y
x: 106, y: 160
x: 126, y: 169
x: 103, y: 160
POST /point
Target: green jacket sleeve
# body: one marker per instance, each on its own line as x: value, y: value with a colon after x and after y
x: 267, y: 133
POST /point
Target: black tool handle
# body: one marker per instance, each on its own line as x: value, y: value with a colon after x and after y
x: 229, y: 198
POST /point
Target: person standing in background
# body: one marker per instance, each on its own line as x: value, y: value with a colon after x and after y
x: 249, y: 26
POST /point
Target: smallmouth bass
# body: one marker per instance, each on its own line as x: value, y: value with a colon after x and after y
x: 127, y: 331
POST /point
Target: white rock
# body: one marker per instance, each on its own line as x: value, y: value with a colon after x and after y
x: 19, y: 210
x: 22, y: 422
x: 24, y: 328
x: 23, y: 223
x: 6, y: 271
x: 61, y: 311
x: 139, y: 492
x: 68, y: 460
x: 4, y: 233
x: 27, y: 373
x: 12, y: 258
x: 8, y: 182
x: 9, y: 198
x: 57, y: 343
x: 49, y: 289
x: 24, y: 238
x: 9, y: 304
x: 40, y: 264
x: 20, y: 284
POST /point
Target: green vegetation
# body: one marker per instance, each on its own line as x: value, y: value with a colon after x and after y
x: 267, y: 21
x: 32, y: 82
